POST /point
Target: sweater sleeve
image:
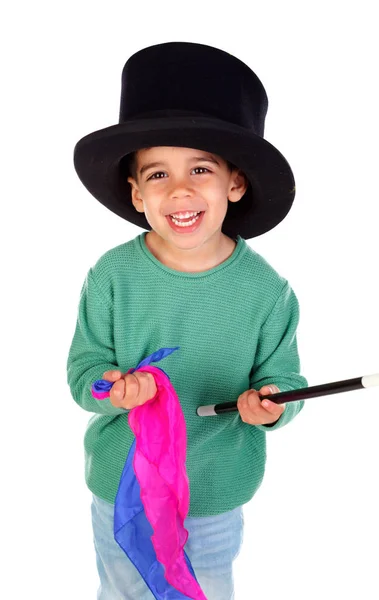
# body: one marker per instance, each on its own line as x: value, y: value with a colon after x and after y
x: 277, y: 360
x: 92, y: 348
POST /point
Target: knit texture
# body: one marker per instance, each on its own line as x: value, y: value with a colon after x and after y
x: 236, y: 328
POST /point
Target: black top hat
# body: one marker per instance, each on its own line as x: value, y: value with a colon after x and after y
x: 194, y: 96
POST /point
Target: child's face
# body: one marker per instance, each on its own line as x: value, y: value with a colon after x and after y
x: 185, y: 180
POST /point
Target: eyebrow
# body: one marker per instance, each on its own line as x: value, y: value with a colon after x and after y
x: 193, y: 159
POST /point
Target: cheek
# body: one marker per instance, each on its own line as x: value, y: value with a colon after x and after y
x: 149, y: 213
x: 219, y: 190
x: 152, y: 208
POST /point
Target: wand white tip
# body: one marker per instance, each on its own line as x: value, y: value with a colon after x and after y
x: 206, y: 411
x: 370, y: 380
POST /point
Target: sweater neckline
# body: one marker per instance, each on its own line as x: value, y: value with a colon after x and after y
x: 238, y: 250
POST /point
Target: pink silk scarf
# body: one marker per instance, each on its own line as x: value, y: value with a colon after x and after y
x: 153, y: 496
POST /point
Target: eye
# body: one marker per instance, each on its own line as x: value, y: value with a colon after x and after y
x: 161, y: 174
x: 154, y: 174
x: 202, y: 168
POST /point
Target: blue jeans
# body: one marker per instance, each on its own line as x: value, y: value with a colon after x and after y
x: 213, y: 544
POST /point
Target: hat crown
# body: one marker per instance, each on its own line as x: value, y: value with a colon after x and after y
x: 182, y: 78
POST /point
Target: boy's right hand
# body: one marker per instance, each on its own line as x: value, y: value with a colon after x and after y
x: 130, y: 390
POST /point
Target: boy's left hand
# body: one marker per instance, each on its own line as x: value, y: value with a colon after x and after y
x: 256, y: 412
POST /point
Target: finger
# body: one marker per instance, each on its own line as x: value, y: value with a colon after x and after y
x: 252, y: 411
x: 272, y: 407
x: 112, y: 375
x: 148, y: 388
x: 255, y: 415
x: 251, y: 406
x: 253, y: 399
x: 152, y: 386
x: 266, y: 390
x: 132, y: 386
x: 262, y: 407
x: 117, y: 392
x: 142, y: 386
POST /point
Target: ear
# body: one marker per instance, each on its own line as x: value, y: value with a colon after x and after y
x: 136, y: 195
x: 238, y: 185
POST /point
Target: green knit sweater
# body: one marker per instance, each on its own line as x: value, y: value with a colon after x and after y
x: 236, y: 328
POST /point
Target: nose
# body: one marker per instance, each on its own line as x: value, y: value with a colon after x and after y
x: 181, y: 186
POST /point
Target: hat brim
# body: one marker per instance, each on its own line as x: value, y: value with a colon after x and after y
x: 266, y: 202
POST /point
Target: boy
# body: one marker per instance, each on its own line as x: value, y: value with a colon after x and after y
x: 187, y: 162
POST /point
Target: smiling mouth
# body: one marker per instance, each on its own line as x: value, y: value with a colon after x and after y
x: 185, y: 219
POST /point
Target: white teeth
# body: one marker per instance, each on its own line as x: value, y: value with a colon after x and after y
x: 185, y: 223
x: 184, y: 215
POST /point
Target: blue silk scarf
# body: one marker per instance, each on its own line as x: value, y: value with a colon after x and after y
x: 149, y: 523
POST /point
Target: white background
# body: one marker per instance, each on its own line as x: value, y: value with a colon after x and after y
x: 312, y: 529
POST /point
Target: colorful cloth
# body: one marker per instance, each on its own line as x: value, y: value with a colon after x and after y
x: 152, y: 501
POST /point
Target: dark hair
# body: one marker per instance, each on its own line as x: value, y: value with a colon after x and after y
x: 129, y: 163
